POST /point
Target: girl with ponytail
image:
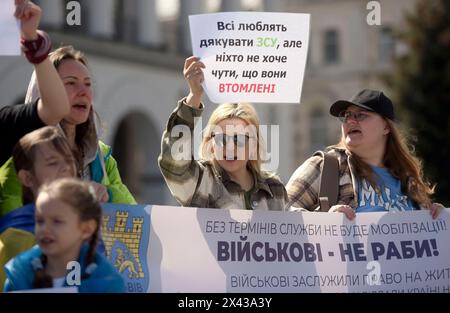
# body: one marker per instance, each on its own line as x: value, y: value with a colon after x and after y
x: 68, y: 218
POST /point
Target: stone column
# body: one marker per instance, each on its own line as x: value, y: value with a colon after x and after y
x: 149, y: 27
x: 53, y: 13
x: 187, y: 7
x: 230, y: 6
x: 273, y: 5
x: 101, y: 18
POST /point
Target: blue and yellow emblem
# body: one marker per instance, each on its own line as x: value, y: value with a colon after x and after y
x: 125, y: 234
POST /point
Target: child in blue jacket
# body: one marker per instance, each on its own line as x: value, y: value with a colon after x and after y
x: 68, y: 218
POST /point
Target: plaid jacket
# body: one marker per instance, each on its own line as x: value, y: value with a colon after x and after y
x: 206, y: 185
x: 303, y: 187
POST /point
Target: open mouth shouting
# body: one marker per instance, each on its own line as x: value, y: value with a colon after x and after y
x: 354, y: 131
x: 81, y: 107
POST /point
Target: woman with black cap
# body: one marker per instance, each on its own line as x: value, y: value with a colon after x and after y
x: 377, y: 170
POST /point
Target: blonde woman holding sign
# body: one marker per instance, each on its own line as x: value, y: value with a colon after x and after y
x: 228, y: 174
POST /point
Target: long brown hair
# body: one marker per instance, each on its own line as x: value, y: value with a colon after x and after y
x: 85, y: 133
x: 79, y: 196
x: 24, y: 153
x: 402, y: 164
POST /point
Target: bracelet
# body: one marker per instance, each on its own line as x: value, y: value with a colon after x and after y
x: 37, y: 50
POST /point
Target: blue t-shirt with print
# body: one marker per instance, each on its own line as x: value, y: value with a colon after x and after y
x: 391, y: 199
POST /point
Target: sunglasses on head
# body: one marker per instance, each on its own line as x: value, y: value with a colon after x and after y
x: 359, y: 116
x: 238, y: 140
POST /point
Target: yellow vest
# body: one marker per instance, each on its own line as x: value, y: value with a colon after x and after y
x: 13, y: 241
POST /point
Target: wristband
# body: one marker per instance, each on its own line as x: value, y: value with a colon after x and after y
x: 37, y: 50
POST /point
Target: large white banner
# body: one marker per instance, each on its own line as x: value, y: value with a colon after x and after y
x: 179, y: 249
x: 252, y: 56
x: 9, y: 29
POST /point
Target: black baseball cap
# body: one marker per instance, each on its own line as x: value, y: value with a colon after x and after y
x: 371, y: 100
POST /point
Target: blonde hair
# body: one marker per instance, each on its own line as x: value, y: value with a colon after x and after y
x: 402, y: 164
x: 243, y: 111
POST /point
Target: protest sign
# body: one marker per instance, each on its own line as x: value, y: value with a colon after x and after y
x: 252, y: 56
x: 9, y: 30
x: 179, y: 249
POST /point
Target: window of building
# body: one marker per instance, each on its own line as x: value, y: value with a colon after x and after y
x: 386, y: 45
x: 331, y: 47
x: 126, y: 21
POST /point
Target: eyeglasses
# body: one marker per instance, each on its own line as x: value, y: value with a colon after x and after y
x: 237, y: 139
x: 358, y: 116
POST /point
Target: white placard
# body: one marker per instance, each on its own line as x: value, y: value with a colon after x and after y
x: 9, y: 29
x: 199, y: 250
x: 180, y: 249
x: 252, y: 56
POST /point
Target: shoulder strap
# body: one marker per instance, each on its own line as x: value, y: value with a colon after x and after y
x: 329, y: 181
